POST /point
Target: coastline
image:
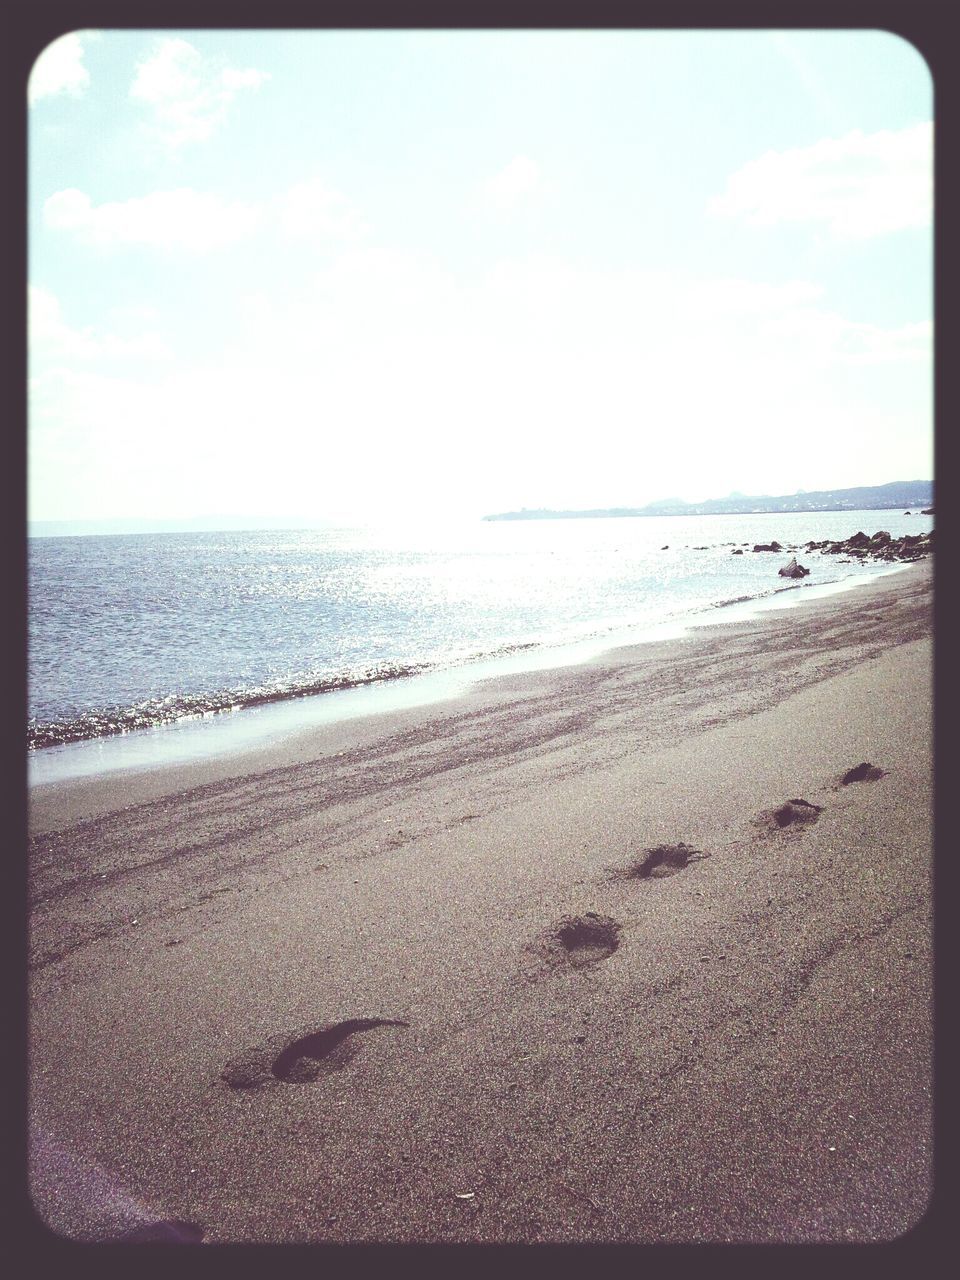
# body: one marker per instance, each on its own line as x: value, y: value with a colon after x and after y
x: 154, y: 762
x: 187, y: 714
x: 749, y: 1061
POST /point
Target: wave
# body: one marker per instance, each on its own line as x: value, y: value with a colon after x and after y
x: 722, y: 604
x: 151, y: 713
x: 762, y: 595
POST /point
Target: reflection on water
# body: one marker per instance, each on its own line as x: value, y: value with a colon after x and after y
x: 133, y: 631
x: 215, y: 735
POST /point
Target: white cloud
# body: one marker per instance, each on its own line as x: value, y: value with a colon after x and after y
x: 233, y: 79
x: 194, y: 220
x: 383, y: 383
x: 311, y: 210
x: 736, y: 297
x: 912, y: 342
x: 581, y: 377
x: 92, y: 438
x: 59, y: 68
x: 188, y: 96
x: 860, y: 185
x: 827, y: 338
x: 512, y: 185
x: 51, y: 337
x: 178, y: 219
x: 43, y: 314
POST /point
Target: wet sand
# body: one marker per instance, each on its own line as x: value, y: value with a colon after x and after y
x: 420, y: 977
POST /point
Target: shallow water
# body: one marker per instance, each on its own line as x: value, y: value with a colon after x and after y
x: 131, y: 632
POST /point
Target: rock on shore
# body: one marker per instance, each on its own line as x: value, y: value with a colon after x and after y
x: 793, y: 570
x: 881, y: 546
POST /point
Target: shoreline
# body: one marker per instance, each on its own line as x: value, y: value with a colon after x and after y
x: 738, y: 1049
x: 231, y: 740
x: 185, y: 725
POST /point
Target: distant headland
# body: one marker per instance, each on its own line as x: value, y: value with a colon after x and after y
x: 910, y: 495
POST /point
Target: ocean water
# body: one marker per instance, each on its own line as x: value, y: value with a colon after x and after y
x: 135, y: 634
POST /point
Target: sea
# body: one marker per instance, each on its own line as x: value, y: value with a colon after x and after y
x: 158, y: 648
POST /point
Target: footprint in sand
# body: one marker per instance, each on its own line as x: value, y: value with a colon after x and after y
x: 793, y: 813
x: 863, y: 772
x: 581, y: 940
x: 664, y: 860
x: 301, y: 1058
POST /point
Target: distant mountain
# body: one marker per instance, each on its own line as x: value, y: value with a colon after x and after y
x: 908, y: 495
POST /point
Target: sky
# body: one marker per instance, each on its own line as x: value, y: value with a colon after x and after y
x: 350, y: 275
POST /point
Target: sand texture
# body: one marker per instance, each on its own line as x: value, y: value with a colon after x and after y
x: 606, y: 953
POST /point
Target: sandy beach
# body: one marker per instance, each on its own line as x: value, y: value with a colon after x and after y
x: 557, y: 961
